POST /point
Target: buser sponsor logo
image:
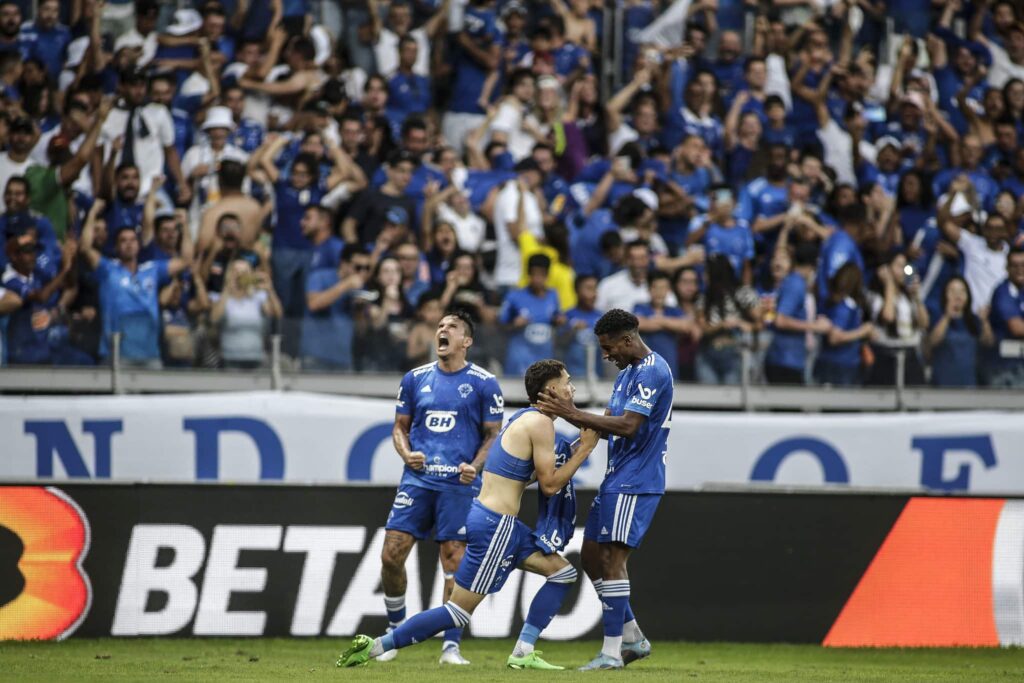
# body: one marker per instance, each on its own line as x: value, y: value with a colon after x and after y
x: 198, y: 589
x: 641, y: 402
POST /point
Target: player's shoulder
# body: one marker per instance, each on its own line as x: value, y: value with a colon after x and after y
x: 655, y: 364
x: 416, y: 374
x: 479, y: 374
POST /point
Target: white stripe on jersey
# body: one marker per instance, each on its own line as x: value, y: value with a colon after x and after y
x: 416, y: 372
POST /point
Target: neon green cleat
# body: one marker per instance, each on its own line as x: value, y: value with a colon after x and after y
x: 532, y: 661
x: 358, y: 654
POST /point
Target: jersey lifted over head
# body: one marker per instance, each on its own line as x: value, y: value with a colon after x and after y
x: 448, y: 411
x: 556, y: 514
x: 637, y: 465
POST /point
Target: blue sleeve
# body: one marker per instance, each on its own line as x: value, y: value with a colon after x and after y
x: 1005, y: 305
x: 163, y: 274
x: 406, y: 402
x: 650, y: 387
x: 17, y: 286
x: 745, y: 208
x: 748, y: 243
x: 508, y: 309
x: 317, y: 280
x: 492, y: 404
x: 844, y: 317
x: 677, y: 83
x: 791, y: 296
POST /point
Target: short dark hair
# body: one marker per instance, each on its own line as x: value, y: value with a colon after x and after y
x: 413, y: 123
x: 350, y: 250
x: 538, y: 261
x: 305, y: 48
x: 463, y: 315
x: 231, y: 175
x: 538, y: 374
x: 17, y: 180
x: 616, y: 321
x: 580, y: 279
x: 658, y: 275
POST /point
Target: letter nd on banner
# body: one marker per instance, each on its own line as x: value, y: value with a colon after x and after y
x: 309, y: 438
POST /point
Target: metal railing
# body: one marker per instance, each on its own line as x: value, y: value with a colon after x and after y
x: 592, y: 391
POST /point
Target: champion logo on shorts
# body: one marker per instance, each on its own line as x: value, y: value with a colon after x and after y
x: 426, y: 389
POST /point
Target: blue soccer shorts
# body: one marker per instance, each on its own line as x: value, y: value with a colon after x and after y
x: 417, y: 510
x: 621, y: 517
x: 496, y: 545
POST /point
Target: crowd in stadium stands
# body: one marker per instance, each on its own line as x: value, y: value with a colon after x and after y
x: 829, y: 185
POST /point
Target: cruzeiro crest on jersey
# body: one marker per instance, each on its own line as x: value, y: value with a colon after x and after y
x: 465, y: 390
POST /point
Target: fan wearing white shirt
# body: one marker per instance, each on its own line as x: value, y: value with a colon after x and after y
x: 399, y: 25
x: 984, y: 254
x: 513, y: 120
x: 516, y: 203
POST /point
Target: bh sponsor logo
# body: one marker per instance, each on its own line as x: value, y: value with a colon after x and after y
x: 440, y: 421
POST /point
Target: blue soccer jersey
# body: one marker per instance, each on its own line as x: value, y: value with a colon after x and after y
x: 556, y: 514
x: 637, y: 465
x: 448, y: 412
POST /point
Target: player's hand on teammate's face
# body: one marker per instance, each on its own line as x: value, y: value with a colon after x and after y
x: 555, y: 404
x: 467, y: 473
x: 589, y: 438
x: 416, y: 460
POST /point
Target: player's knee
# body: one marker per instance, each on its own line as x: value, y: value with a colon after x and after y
x: 566, y: 574
x: 451, y: 555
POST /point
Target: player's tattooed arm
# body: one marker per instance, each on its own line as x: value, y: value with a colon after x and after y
x: 624, y: 425
x: 400, y: 439
x: 467, y: 474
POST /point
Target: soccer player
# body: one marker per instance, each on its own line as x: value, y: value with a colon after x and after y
x: 498, y: 541
x: 637, y: 424
x: 448, y: 414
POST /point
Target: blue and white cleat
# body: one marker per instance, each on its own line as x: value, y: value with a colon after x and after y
x: 602, y: 662
x: 631, y: 652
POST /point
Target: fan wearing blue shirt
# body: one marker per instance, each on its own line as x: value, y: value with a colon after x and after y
x: 723, y: 233
x: 316, y: 227
x: 47, y: 38
x: 839, y: 360
x: 953, y: 341
x: 408, y: 92
x: 1005, y: 365
x: 786, y: 358
x: 840, y: 247
x: 126, y: 209
x: 531, y: 313
x: 763, y: 203
x: 579, y: 323
x: 129, y: 291
x: 661, y: 324
x: 331, y: 296
x: 971, y: 153
x: 477, y: 53
x: 35, y: 332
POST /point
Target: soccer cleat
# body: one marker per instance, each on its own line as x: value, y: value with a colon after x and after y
x: 531, y: 661
x: 634, y: 651
x: 358, y: 653
x: 602, y: 662
x: 451, y: 655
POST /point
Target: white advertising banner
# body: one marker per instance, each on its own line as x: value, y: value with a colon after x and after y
x: 316, y: 439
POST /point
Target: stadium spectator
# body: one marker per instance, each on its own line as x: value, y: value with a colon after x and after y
x: 794, y: 325
x: 726, y: 311
x: 16, y: 159
x: 686, y: 285
x: 628, y: 287
x: 530, y: 314
x: 900, y: 317
x: 840, y: 359
x: 577, y: 335
x: 129, y: 292
x: 244, y: 311
x: 954, y: 342
x: 1004, y: 366
x: 332, y: 297
x: 663, y: 325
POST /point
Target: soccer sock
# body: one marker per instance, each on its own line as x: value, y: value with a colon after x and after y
x: 615, y: 598
x: 396, y: 609
x: 453, y: 636
x: 421, y: 626
x: 631, y: 632
x: 544, y: 607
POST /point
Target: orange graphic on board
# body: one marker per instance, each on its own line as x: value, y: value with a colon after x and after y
x: 930, y: 584
x: 44, y: 538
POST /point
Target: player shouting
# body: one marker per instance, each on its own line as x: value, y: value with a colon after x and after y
x: 448, y: 414
x: 637, y: 424
x: 498, y: 540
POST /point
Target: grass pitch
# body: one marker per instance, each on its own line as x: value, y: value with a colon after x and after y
x: 302, y: 659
